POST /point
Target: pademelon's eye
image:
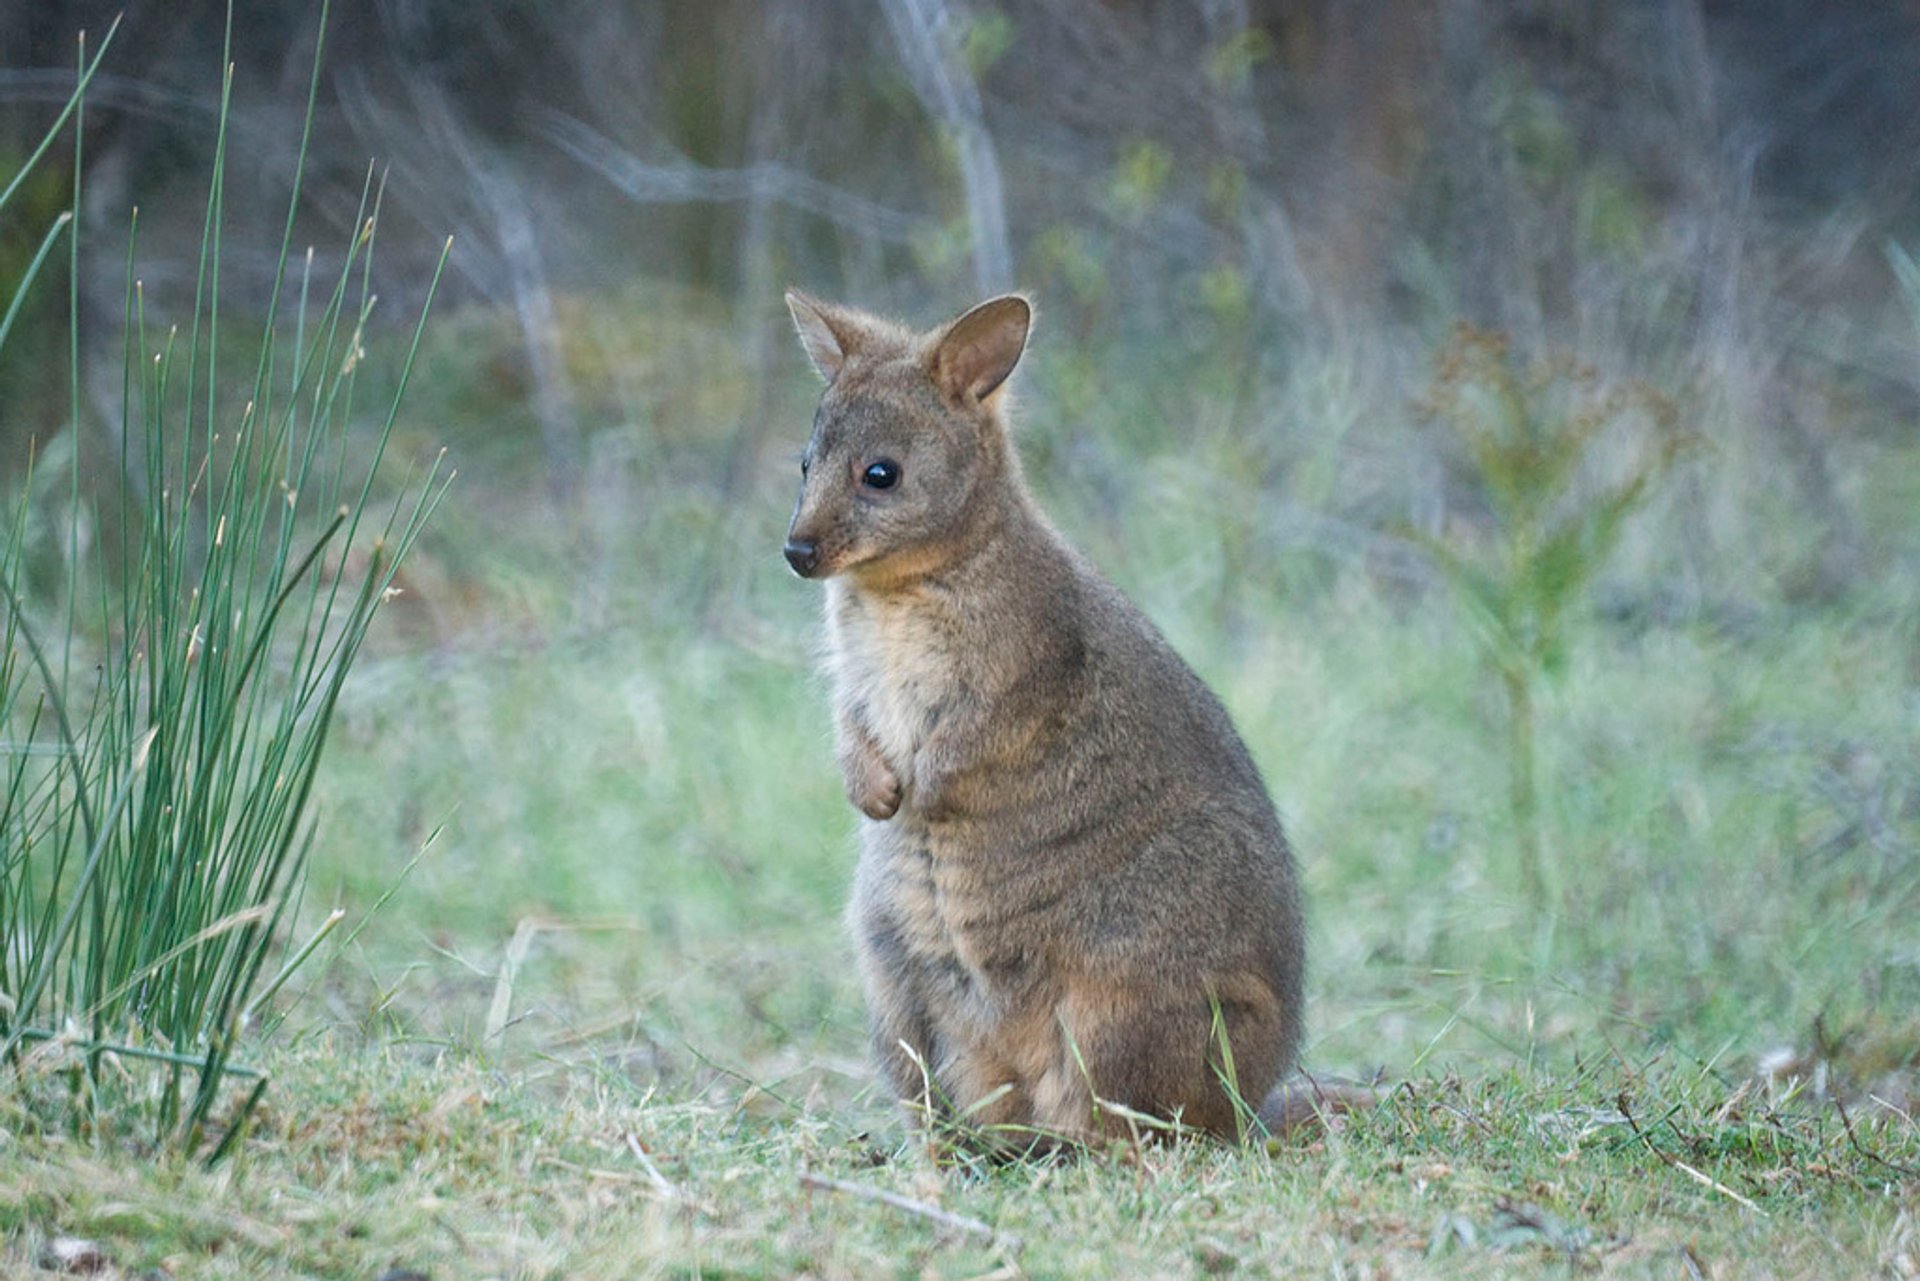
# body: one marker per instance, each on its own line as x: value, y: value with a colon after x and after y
x: 803, y: 467
x: 882, y: 473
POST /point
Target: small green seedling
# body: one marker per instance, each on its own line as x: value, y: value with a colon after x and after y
x: 1529, y: 432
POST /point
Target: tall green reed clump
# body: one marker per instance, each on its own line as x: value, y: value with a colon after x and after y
x: 162, y: 713
x: 1529, y: 432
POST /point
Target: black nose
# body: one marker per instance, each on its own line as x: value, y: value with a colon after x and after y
x: 804, y: 557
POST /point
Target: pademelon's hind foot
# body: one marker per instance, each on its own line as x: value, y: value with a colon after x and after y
x: 1302, y: 1105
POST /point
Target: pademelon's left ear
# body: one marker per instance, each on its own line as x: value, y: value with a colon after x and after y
x: 829, y: 334
x: 974, y: 355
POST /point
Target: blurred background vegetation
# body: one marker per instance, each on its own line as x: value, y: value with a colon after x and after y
x: 1251, y: 227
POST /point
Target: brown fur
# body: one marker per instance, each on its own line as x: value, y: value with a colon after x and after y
x: 1070, y: 870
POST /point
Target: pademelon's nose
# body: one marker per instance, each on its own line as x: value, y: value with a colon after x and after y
x: 803, y: 556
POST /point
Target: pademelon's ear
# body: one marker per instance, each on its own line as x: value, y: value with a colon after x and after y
x: 828, y: 333
x: 977, y: 352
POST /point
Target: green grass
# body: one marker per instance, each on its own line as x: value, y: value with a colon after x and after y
x: 165, y: 699
x: 387, y: 1161
x: 662, y: 799
x: 626, y: 920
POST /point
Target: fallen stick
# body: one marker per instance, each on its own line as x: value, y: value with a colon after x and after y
x: 945, y: 1218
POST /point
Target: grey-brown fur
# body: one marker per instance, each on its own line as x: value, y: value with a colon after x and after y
x: 1068, y: 860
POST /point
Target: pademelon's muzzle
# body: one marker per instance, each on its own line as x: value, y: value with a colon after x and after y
x: 803, y: 555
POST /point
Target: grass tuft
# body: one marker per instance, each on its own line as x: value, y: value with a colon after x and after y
x: 165, y: 702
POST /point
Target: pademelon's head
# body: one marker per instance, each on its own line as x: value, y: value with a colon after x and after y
x: 909, y: 443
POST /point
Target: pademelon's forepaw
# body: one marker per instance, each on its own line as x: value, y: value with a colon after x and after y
x: 872, y: 786
x: 876, y: 794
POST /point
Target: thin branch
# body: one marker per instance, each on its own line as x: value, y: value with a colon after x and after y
x: 683, y: 182
x: 945, y: 1218
x: 1682, y: 1166
x: 504, y: 201
x: 1904, y: 1171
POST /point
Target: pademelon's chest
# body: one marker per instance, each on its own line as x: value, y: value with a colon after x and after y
x: 897, y: 665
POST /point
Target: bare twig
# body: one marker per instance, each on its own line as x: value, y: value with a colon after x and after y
x: 1680, y: 1165
x: 945, y: 1218
x: 502, y: 200
x: 682, y: 182
x: 1904, y: 1171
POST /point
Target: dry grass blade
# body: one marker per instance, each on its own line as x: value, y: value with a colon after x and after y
x: 510, y: 963
x: 1707, y: 1180
x: 662, y: 1184
x: 519, y: 947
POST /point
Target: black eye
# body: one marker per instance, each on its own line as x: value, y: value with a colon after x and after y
x: 882, y: 473
x: 803, y: 467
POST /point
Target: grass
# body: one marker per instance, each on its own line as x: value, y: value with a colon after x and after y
x: 391, y: 1162
x: 661, y: 800
x: 165, y: 703
x: 628, y: 924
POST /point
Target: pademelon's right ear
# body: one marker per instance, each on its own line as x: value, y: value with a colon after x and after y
x: 828, y: 333
x: 974, y: 355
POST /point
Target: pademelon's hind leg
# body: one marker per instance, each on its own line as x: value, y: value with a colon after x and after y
x: 1166, y: 1059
